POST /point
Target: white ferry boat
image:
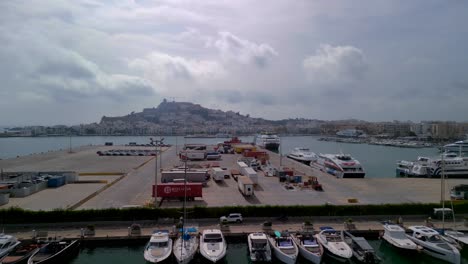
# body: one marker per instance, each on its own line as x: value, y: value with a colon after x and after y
x: 303, y: 155
x: 267, y: 141
x: 339, y: 165
x: 454, y: 167
x: 457, y: 146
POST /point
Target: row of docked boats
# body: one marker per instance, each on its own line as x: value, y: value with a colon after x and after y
x: 13, y: 251
x: 284, y: 246
x: 339, y: 165
x: 426, y: 240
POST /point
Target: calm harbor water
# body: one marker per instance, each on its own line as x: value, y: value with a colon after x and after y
x: 237, y: 254
x: 378, y: 161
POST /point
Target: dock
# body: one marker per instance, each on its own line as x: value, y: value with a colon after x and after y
x: 125, y: 181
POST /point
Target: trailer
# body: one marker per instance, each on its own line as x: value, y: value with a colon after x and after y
x: 246, y: 186
x: 200, y: 176
x: 177, y: 190
x: 251, y: 173
x: 218, y: 174
x: 241, y: 165
x: 239, y: 148
x: 192, y: 155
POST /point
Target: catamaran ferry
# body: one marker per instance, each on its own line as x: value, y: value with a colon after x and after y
x: 339, y: 165
x: 454, y: 167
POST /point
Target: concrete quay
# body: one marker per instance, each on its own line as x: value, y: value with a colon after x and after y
x: 105, y: 232
x: 129, y: 180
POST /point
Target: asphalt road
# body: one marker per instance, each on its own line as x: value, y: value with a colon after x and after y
x: 135, y: 188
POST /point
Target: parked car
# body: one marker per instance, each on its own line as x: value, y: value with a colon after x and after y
x: 232, y: 218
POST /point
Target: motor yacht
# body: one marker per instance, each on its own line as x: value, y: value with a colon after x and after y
x: 339, y: 165
x: 460, y: 237
x: 267, y: 141
x: 308, y: 246
x: 433, y: 244
x: 334, y: 244
x: 186, y: 245
x: 362, y: 250
x: 259, y: 249
x: 213, y: 245
x: 395, y: 235
x: 7, y: 244
x: 284, y: 247
x: 159, y: 247
x: 303, y: 155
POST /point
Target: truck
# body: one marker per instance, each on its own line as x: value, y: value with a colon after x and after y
x: 246, y: 186
x: 200, y: 176
x: 251, y: 173
x: 192, y: 155
x: 177, y: 190
x: 218, y: 174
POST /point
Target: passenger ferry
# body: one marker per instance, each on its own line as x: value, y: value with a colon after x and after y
x: 454, y: 167
x: 303, y: 155
x: 339, y: 165
x: 267, y: 141
x: 457, y: 146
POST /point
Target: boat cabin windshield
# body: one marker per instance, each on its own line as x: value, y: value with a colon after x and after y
x: 259, y: 243
x: 333, y: 237
x: 213, y: 238
x: 158, y: 244
x: 344, y: 157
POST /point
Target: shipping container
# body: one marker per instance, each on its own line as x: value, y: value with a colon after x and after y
x: 56, y: 181
x: 200, y: 176
x: 239, y: 148
x: 177, y: 190
x: 251, y: 173
x: 245, y: 185
x: 218, y: 174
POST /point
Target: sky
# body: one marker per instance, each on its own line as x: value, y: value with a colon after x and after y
x: 72, y: 62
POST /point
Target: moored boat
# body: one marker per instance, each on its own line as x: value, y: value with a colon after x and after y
x: 259, y: 249
x: 395, y: 235
x: 186, y: 245
x: 268, y: 141
x: 7, y: 244
x: 460, y: 237
x: 362, y: 251
x: 339, y: 165
x: 303, y: 155
x: 454, y: 166
x: 55, y: 252
x: 308, y: 246
x: 159, y: 247
x: 213, y: 245
x: 284, y: 247
x: 333, y: 244
x: 21, y: 253
x: 433, y: 245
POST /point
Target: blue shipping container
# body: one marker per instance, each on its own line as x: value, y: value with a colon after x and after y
x: 56, y: 181
x: 298, y: 179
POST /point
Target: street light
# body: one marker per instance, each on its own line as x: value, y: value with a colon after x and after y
x: 156, y: 142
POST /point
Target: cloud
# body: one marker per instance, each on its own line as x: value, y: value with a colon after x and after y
x: 65, y: 74
x: 161, y: 68
x: 334, y: 65
x: 233, y: 48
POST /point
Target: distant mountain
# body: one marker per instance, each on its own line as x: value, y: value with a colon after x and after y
x: 170, y: 113
x: 187, y: 118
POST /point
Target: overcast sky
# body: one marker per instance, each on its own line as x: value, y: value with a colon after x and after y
x: 73, y: 62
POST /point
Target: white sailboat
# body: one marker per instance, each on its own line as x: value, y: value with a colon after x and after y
x: 186, y: 245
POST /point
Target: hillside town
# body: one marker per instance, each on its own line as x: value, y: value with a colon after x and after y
x: 185, y: 118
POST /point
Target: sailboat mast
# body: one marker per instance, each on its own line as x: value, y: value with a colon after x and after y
x: 443, y: 191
